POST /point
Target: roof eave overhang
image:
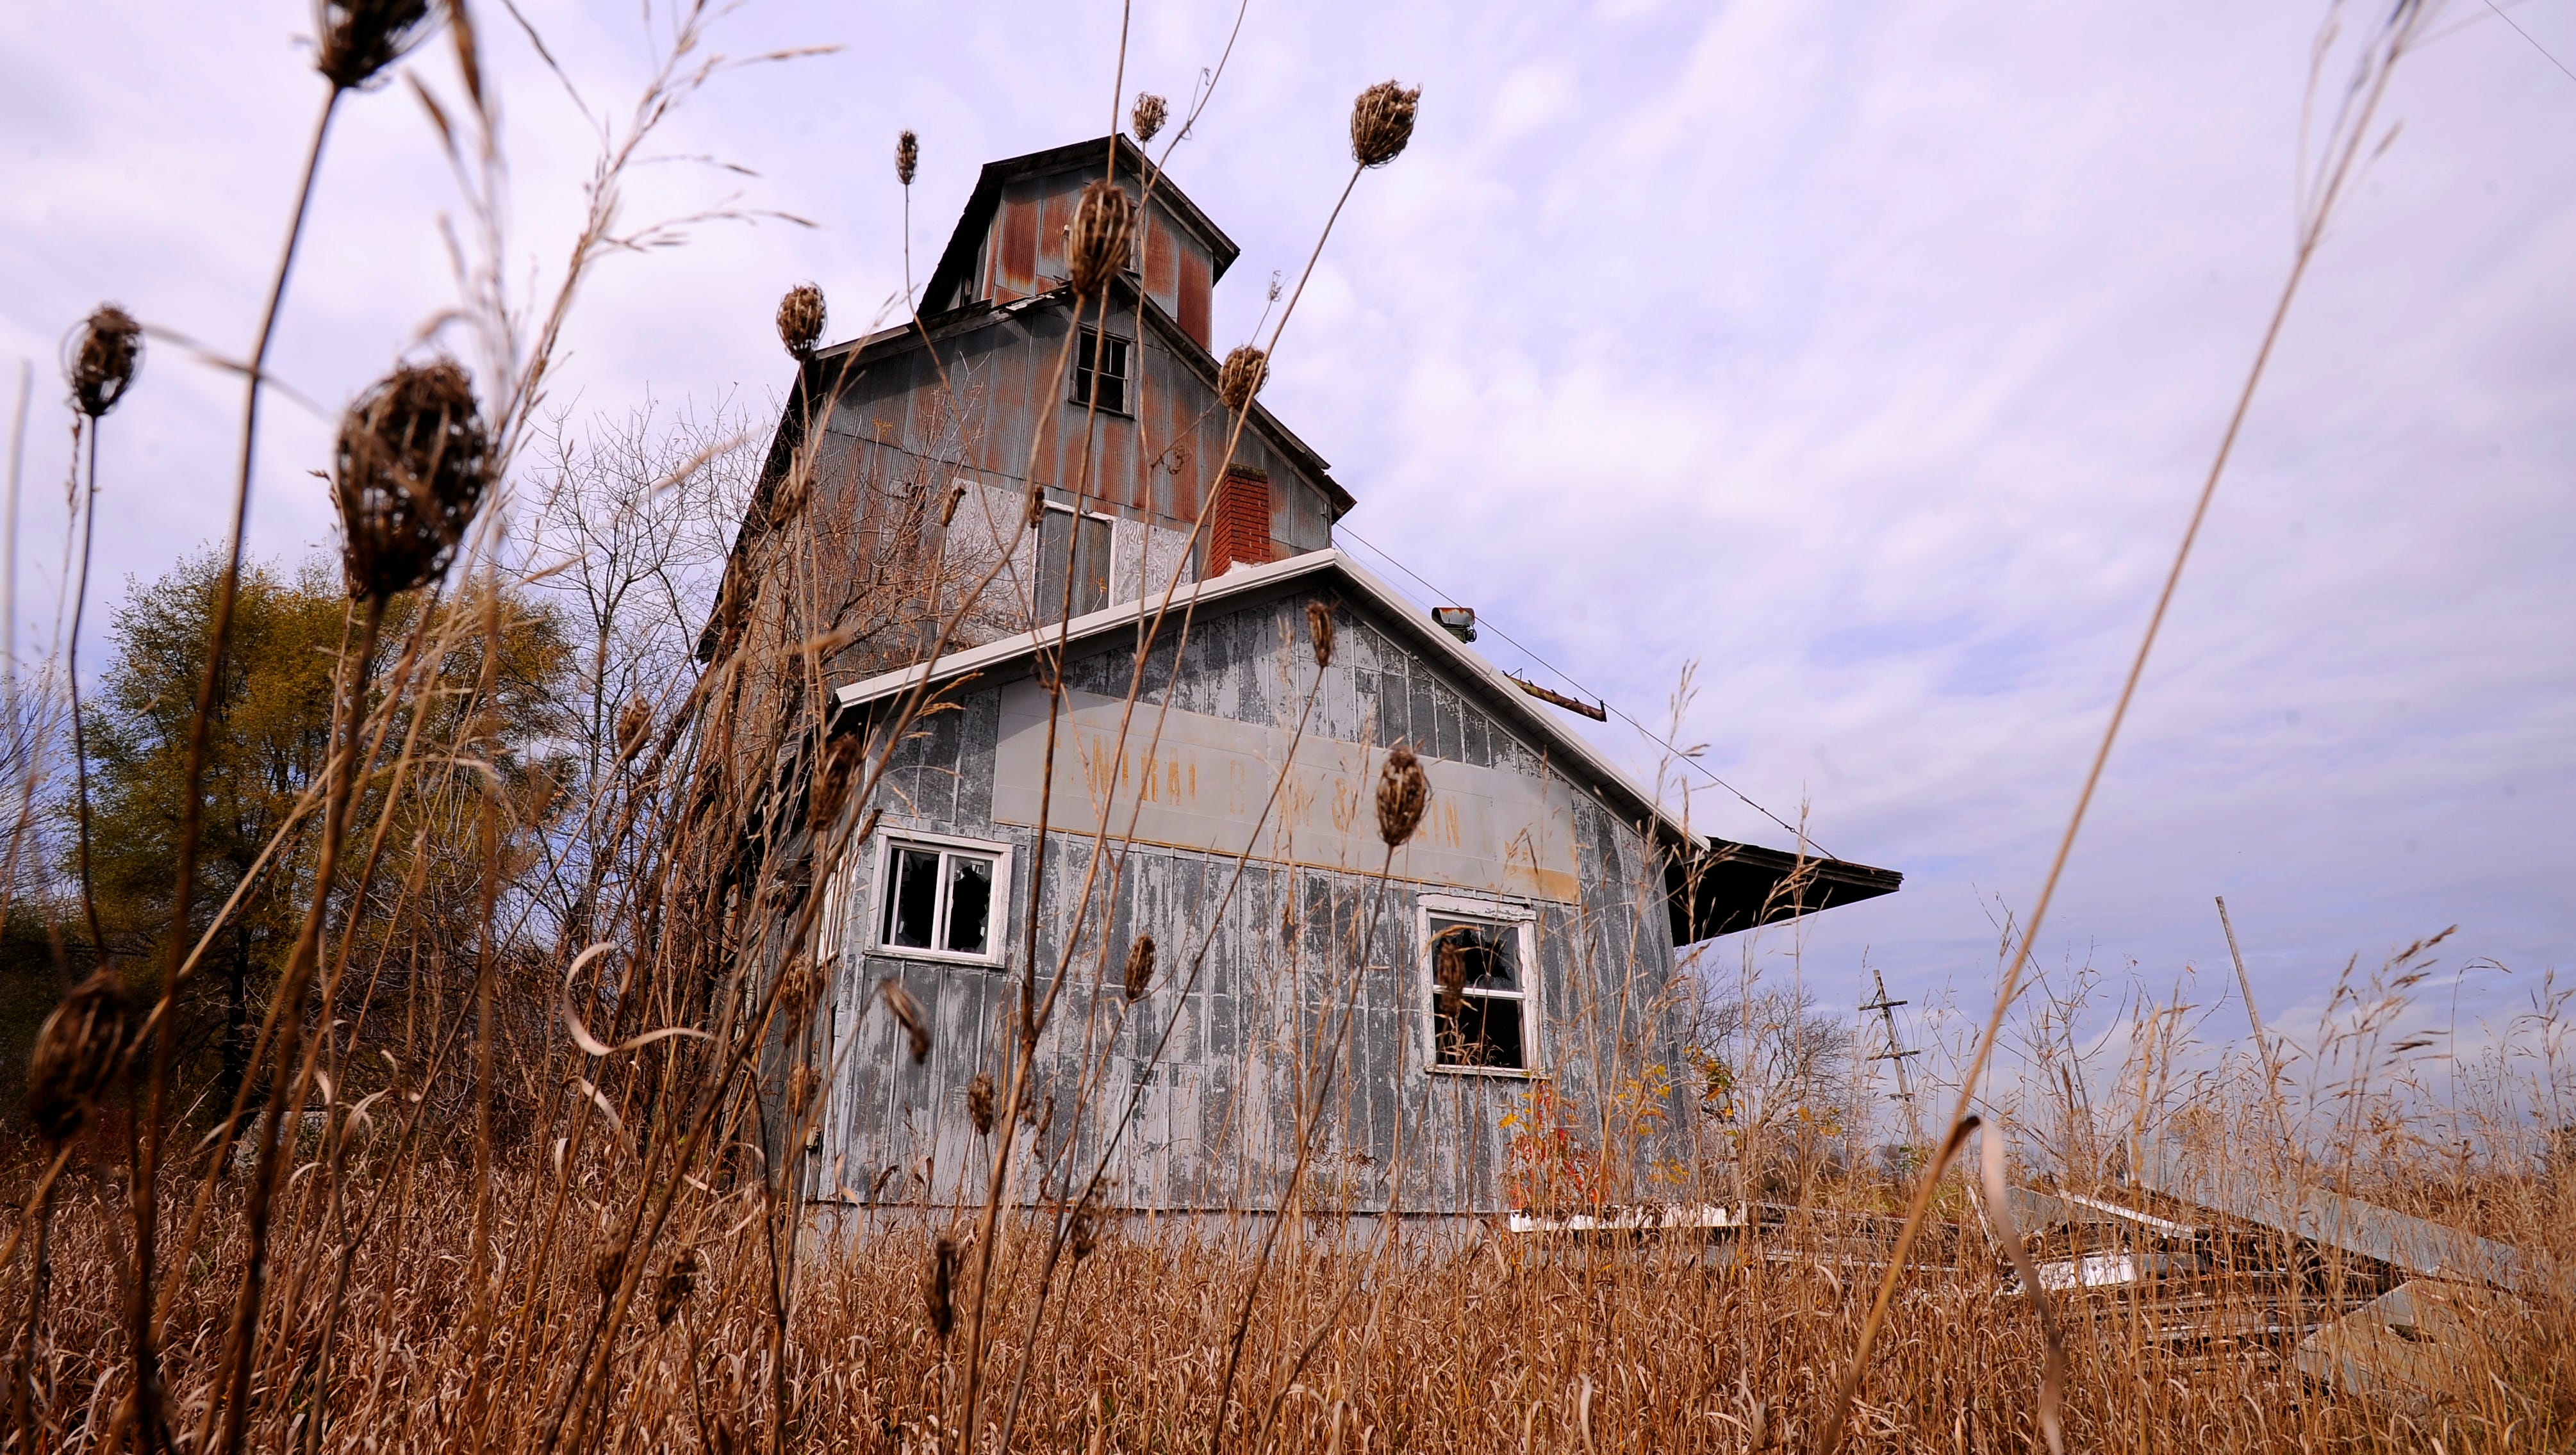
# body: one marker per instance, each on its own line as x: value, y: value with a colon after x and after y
x: 1713, y: 886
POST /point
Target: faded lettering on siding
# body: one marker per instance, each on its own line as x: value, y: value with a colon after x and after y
x: 1203, y: 784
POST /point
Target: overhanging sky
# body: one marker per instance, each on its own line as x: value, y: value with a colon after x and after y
x: 1867, y: 356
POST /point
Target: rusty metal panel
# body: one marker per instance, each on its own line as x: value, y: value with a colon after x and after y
x: 1015, y: 263
x: 1193, y: 301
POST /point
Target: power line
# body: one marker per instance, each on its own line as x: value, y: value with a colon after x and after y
x: 1603, y: 698
x: 2535, y: 43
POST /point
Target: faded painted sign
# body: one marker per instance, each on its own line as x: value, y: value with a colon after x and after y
x: 1203, y: 784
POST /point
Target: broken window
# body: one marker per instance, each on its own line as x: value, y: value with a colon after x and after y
x: 1480, y: 1006
x: 939, y: 899
x: 1075, y: 546
x: 1100, y: 371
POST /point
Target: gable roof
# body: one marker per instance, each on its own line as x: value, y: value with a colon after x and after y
x: 1713, y: 886
x: 958, y: 258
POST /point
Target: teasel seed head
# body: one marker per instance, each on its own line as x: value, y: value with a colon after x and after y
x: 1096, y: 245
x: 1382, y: 122
x: 799, y: 987
x: 362, y: 37
x: 907, y: 1014
x: 412, y: 464
x: 75, y: 1054
x: 1402, y: 794
x: 1449, y: 972
x: 1319, y: 630
x: 678, y: 1282
x: 942, y: 1293
x: 794, y: 488
x: 979, y: 1103
x: 832, y: 780
x: 634, y: 729
x: 606, y: 1269
x: 800, y: 320
x: 1085, y: 1232
x: 1140, y: 968
x: 1037, y: 505
x: 102, y: 367
x: 1245, y: 369
x: 1146, y: 120
x: 907, y: 156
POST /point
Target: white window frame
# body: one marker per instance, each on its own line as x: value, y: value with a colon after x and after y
x: 1523, y: 919
x: 998, y: 914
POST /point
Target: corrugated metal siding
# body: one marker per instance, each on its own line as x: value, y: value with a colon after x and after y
x: 893, y: 431
x: 1215, y: 1125
x: 1031, y: 220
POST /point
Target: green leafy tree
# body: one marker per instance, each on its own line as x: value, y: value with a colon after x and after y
x: 270, y: 735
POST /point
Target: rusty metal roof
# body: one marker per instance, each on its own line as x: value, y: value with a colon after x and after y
x: 1713, y: 886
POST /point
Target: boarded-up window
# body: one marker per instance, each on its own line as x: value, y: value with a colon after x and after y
x: 1079, y: 549
x: 1239, y: 527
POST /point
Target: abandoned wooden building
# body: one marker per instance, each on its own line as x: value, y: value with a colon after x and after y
x: 1227, y: 814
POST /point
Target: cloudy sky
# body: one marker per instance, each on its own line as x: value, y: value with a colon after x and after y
x: 1867, y: 357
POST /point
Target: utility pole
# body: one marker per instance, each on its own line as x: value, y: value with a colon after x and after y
x: 2262, y: 1042
x: 1895, y: 1051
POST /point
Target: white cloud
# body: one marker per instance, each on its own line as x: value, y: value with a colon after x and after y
x: 1871, y: 362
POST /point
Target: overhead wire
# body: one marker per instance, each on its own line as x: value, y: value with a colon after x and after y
x: 2535, y: 40
x: 1679, y: 754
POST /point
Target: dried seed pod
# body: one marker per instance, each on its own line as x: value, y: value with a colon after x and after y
x: 800, y: 320
x: 102, y: 368
x: 1319, y: 630
x: 412, y: 465
x: 907, y: 156
x: 794, y: 488
x: 362, y: 37
x: 942, y: 1293
x: 1245, y: 369
x: 948, y: 507
x: 1402, y: 794
x: 800, y: 1089
x: 798, y: 986
x: 1037, y: 505
x: 979, y: 1103
x: 634, y: 729
x: 1382, y: 122
x: 678, y: 1282
x: 841, y: 758
x: 1085, y: 1232
x: 907, y: 1014
x: 1146, y: 120
x: 606, y: 1269
x: 1449, y: 972
x: 75, y: 1054
x: 1096, y: 245
x: 1140, y: 968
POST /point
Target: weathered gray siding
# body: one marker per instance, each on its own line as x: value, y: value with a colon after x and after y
x: 893, y: 429
x: 1248, y: 967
